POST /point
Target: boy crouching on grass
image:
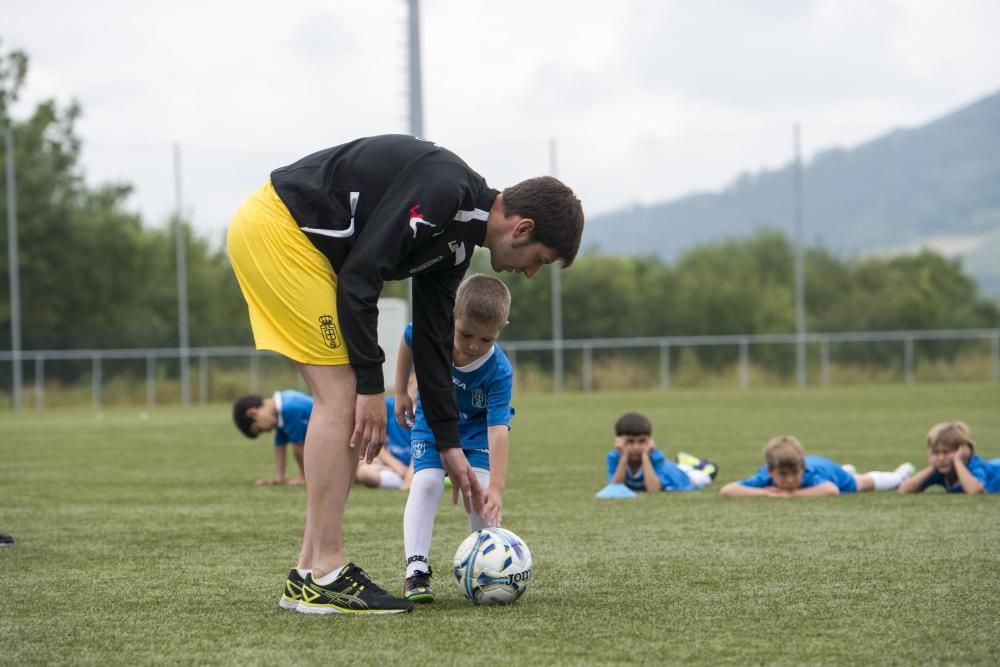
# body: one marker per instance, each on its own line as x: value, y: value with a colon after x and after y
x: 638, y: 464
x: 954, y: 464
x: 483, y: 379
x: 789, y: 472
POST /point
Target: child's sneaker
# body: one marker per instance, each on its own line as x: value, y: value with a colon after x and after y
x: 710, y: 468
x: 417, y: 587
x: 6, y: 540
x: 352, y: 592
x: 906, y: 470
x: 849, y: 467
x: 293, y: 590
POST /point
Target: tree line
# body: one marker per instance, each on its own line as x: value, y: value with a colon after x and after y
x: 94, y: 274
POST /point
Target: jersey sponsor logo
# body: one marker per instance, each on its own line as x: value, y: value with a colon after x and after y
x: 417, y: 218
x: 457, y: 382
x: 478, y: 398
x: 328, y: 329
x: 419, y: 447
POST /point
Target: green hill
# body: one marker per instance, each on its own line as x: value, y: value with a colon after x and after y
x: 937, y: 185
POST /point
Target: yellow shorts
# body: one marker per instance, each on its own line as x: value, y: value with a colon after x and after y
x: 289, y: 286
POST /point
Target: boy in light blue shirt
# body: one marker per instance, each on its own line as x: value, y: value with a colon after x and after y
x: 287, y: 413
x: 788, y: 472
x: 638, y: 464
x: 954, y: 464
x: 483, y: 379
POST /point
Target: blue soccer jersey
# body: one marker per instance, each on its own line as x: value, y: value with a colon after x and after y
x: 987, y: 472
x: 671, y: 477
x: 819, y: 469
x: 294, y: 410
x: 397, y: 438
x: 483, y: 389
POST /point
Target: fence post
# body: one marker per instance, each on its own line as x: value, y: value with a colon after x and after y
x: 254, y: 372
x: 996, y: 355
x: 588, y: 380
x: 39, y: 381
x: 95, y: 380
x: 824, y: 360
x: 908, y: 359
x: 744, y: 363
x: 203, y: 377
x: 150, y: 380
x: 664, y: 365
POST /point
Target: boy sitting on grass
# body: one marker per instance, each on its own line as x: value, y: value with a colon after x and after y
x: 954, y: 463
x: 788, y: 472
x: 287, y: 413
x: 638, y: 464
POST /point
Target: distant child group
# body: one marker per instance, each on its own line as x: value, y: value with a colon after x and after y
x: 788, y: 471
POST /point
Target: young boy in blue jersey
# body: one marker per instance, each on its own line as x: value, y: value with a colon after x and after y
x: 789, y: 472
x: 638, y: 464
x: 484, y: 380
x: 954, y: 464
x: 287, y: 413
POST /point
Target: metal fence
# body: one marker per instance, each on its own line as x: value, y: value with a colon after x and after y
x: 743, y: 345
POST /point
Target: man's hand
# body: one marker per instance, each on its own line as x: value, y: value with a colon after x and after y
x: 369, y: 426
x: 463, y: 479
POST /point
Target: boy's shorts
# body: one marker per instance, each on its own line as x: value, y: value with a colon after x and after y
x: 426, y: 455
x: 289, y: 286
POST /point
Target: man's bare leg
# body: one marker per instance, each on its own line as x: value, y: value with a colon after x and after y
x: 329, y: 465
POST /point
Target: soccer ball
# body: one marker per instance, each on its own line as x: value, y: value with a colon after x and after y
x: 493, y: 566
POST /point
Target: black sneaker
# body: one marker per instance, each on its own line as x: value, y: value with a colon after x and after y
x: 6, y: 540
x: 417, y: 587
x: 350, y: 593
x: 293, y: 590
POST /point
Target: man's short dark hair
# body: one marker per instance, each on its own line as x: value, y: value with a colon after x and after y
x: 557, y: 213
x: 244, y: 422
x: 633, y: 423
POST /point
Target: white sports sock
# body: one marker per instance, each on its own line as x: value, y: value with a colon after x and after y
x: 303, y: 573
x: 699, y: 478
x: 389, y: 479
x: 418, y: 517
x: 477, y: 522
x: 885, y: 481
x: 328, y: 579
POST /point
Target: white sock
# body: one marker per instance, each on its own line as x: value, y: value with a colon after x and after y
x: 699, y: 478
x: 885, y: 481
x: 389, y: 479
x: 477, y: 522
x: 418, y: 517
x: 328, y: 579
x: 303, y: 573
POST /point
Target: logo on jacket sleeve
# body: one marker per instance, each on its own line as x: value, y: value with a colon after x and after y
x: 417, y: 218
x: 419, y: 446
x: 478, y: 398
x: 328, y: 328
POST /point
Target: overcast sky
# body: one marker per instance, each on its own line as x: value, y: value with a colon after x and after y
x: 646, y: 99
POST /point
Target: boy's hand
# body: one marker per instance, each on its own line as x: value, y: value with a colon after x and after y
x: 775, y: 492
x: 404, y: 410
x: 492, y: 506
x: 648, y: 449
x: 963, y: 453
x: 620, y: 443
x: 269, y: 482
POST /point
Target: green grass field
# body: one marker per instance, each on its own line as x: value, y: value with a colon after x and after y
x: 144, y: 541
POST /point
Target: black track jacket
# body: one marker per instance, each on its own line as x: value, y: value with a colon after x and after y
x: 387, y: 208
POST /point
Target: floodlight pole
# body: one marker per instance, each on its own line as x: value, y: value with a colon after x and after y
x: 800, y: 299
x: 13, y: 269
x: 182, y: 296
x: 416, y: 95
x: 557, y: 318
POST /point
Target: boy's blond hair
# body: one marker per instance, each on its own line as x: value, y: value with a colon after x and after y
x: 785, y: 453
x: 484, y: 299
x: 950, y: 435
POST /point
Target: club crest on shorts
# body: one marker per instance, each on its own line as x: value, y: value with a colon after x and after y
x: 328, y: 328
x: 418, y: 448
x: 478, y: 398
